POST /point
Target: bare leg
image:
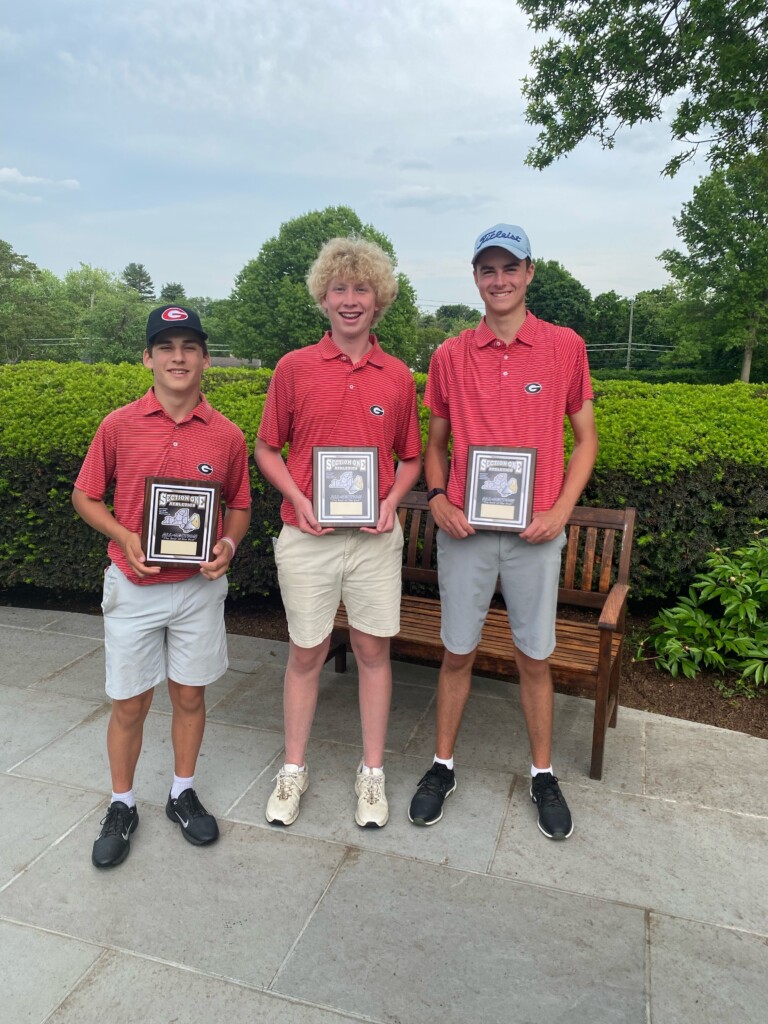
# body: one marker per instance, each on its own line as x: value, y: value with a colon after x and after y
x: 453, y: 688
x: 537, y: 699
x: 187, y: 725
x: 375, y: 673
x: 124, y: 736
x: 300, y: 689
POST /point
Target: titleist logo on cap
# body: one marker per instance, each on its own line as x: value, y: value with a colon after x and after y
x: 496, y: 234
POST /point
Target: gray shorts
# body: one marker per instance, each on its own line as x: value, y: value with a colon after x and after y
x: 162, y: 631
x: 530, y: 575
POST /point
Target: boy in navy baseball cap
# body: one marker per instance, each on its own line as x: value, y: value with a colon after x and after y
x: 167, y: 317
x: 163, y: 624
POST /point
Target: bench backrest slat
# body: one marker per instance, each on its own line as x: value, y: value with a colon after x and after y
x: 413, y: 539
x: 571, y: 558
x: 606, y: 563
x: 588, y: 564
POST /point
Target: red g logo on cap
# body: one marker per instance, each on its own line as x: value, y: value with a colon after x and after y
x: 173, y: 314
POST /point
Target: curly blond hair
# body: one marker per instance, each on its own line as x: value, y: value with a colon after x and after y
x: 356, y: 260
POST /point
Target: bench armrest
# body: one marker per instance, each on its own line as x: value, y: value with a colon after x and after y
x: 613, y: 609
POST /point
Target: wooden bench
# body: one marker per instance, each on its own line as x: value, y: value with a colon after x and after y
x: 594, y: 585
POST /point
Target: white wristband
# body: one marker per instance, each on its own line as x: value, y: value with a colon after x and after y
x: 231, y: 544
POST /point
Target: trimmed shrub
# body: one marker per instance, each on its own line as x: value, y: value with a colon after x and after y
x: 693, y: 460
x: 670, y: 376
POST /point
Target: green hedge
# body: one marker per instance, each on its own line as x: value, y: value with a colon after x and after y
x: 692, y: 459
x: 688, y: 376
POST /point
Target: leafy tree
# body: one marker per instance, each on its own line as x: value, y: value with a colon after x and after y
x: 615, y: 63
x: 136, y: 276
x: 173, y: 292
x: 216, y: 316
x: 456, y: 317
x: 35, y: 317
x: 556, y: 296
x: 695, y: 345
x: 113, y: 329
x: 111, y: 315
x: 13, y: 265
x: 657, y: 322
x: 397, y: 331
x: 33, y: 309
x: 725, y: 230
x: 607, y: 331
x: 87, y: 285
x: 271, y: 310
x: 428, y: 337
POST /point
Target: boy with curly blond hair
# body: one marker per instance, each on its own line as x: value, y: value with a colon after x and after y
x: 343, y: 391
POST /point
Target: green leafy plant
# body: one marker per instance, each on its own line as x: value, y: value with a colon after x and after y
x: 692, y: 460
x: 722, y: 623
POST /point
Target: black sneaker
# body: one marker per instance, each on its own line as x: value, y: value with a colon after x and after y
x: 113, y: 843
x: 427, y: 804
x: 554, y: 817
x: 197, y: 825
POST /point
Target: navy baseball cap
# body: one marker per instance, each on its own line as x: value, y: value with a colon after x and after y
x: 504, y: 236
x: 165, y: 317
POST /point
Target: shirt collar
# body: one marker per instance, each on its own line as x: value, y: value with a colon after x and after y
x: 330, y: 350
x: 526, y: 334
x: 149, y: 405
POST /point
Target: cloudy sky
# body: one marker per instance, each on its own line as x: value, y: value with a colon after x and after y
x: 182, y: 134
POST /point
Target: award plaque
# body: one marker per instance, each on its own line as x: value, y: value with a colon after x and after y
x: 345, y: 486
x: 499, y: 493
x: 180, y: 520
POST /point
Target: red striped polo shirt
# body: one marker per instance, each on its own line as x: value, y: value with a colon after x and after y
x: 318, y: 396
x: 517, y: 395
x: 141, y: 440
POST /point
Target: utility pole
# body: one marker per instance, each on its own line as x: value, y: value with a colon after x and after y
x: 629, y: 339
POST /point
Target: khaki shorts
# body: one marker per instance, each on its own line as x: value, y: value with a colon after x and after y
x: 162, y: 631
x: 361, y: 569
x: 530, y: 575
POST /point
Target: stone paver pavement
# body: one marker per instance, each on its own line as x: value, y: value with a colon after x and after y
x: 654, y: 912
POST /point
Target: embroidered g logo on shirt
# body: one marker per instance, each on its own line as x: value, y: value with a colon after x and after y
x: 377, y: 410
x: 204, y: 467
x: 533, y: 389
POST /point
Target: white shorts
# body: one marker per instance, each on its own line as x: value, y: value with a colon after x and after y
x: 162, y: 631
x: 364, y: 570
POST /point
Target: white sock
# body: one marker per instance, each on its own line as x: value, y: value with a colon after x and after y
x: 179, y: 785
x: 125, y: 798
x: 448, y: 763
x: 294, y: 769
x: 365, y: 770
x: 539, y: 771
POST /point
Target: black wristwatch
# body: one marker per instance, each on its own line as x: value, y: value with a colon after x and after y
x: 434, y: 493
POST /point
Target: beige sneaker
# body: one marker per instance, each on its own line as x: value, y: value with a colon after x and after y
x: 372, y: 807
x: 283, y: 805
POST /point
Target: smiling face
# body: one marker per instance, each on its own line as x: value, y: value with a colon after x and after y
x: 351, y: 307
x: 177, y: 361
x: 502, y: 279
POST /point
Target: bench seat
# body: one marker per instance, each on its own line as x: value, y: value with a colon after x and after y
x: 588, y: 650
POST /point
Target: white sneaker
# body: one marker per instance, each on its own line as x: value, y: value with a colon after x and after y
x: 372, y: 807
x: 283, y: 805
